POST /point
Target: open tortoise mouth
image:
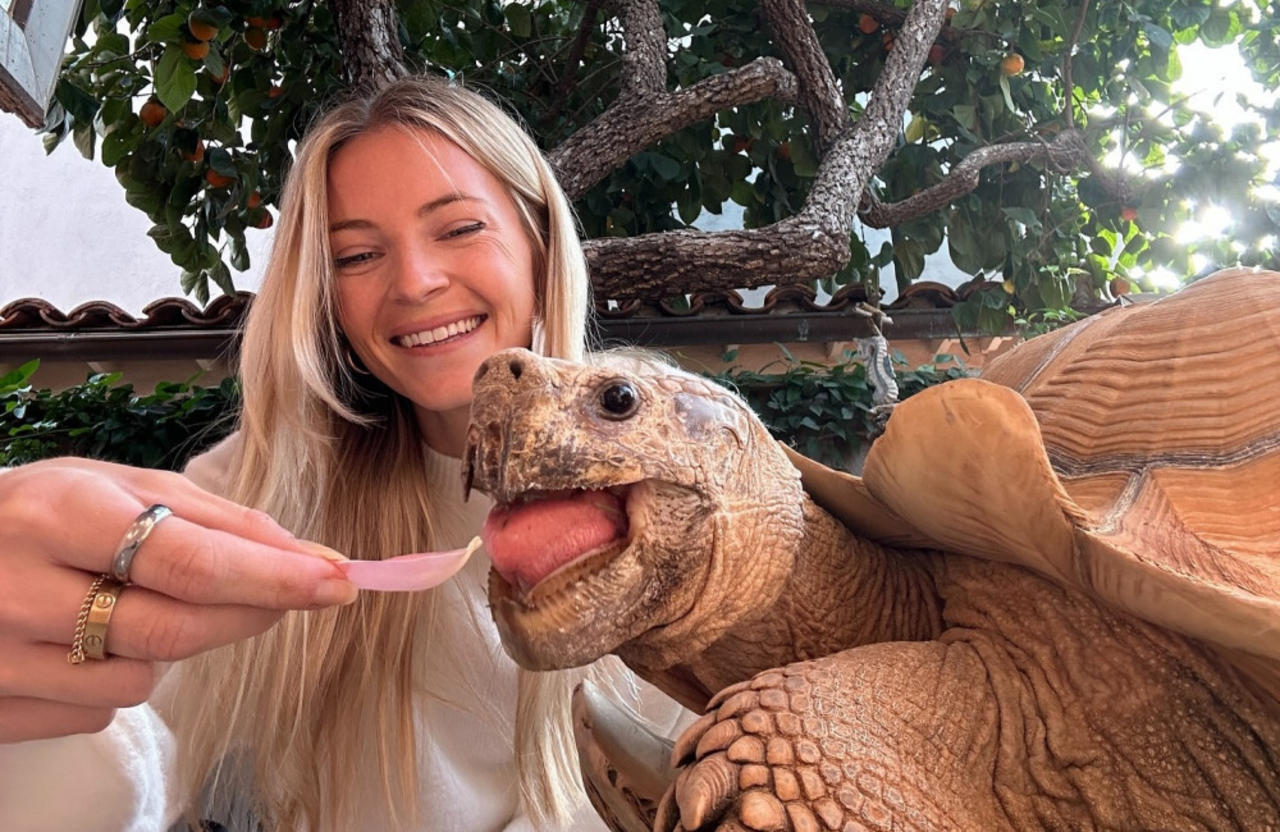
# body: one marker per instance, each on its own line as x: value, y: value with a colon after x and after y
x: 543, y: 542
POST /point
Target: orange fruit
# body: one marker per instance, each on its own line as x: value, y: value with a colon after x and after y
x: 255, y: 199
x: 216, y: 179
x: 887, y: 40
x: 201, y: 25
x: 264, y: 221
x: 222, y: 79
x: 936, y: 54
x: 1012, y: 64
x: 1119, y: 286
x: 784, y: 151
x: 269, y: 23
x: 1128, y: 213
x: 195, y: 155
x: 275, y: 91
x: 196, y: 49
x: 256, y: 37
x: 152, y: 113
x: 867, y: 24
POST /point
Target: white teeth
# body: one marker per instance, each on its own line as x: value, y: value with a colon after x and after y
x: 439, y: 333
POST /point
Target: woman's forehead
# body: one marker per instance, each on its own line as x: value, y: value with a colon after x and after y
x: 405, y: 164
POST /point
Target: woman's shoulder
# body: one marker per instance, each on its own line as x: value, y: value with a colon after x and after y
x: 211, y: 469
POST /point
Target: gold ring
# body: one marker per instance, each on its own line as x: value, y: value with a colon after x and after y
x: 91, y: 624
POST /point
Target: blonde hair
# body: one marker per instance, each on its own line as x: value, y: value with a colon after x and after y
x: 279, y: 705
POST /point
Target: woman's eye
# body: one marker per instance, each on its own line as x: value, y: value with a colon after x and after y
x: 470, y: 228
x: 353, y: 259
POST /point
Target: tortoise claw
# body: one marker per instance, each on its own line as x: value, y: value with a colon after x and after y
x: 624, y: 764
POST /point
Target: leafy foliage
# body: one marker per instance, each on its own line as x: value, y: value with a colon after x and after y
x: 104, y: 419
x: 1049, y: 236
x: 825, y: 412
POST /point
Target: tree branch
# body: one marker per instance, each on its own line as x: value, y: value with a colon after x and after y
x: 576, y: 51
x: 1067, y: 152
x: 1069, y: 109
x: 802, y: 52
x: 646, y: 112
x: 810, y: 245
x: 370, y: 42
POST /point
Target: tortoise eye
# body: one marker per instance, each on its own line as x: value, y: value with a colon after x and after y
x: 618, y: 400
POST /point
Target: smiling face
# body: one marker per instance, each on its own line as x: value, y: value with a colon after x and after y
x: 434, y: 268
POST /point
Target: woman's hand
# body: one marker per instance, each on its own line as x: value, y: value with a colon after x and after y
x: 211, y: 574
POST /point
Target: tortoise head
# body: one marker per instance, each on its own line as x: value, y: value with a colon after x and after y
x: 639, y: 509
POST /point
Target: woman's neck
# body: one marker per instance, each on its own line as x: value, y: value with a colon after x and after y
x: 445, y: 430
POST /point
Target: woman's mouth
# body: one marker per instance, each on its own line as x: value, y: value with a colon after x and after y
x: 440, y: 335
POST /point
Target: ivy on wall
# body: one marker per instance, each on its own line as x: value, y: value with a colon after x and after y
x: 104, y: 418
x: 825, y: 411
x: 822, y: 411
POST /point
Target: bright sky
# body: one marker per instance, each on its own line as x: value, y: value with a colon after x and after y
x: 1215, y: 81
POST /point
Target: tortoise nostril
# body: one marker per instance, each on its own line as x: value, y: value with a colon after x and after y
x: 516, y: 369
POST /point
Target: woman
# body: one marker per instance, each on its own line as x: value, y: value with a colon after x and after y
x: 420, y: 232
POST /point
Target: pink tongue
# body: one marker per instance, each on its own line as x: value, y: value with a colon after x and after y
x: 528, y: 541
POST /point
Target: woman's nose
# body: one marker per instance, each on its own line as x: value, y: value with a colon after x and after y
x: 417, y: 275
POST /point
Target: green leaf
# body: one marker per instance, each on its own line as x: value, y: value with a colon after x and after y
x: 239, y: 254
x: 966, y: 115
x: 1008, y: 97
x: 83, y: 138
x: 76, y: 100
x: 220, y: 161
x: 222, y: 276
x: 1159, y: 36
x: 518, y: 19
x: 116, y: 145
x: 175, y: 79
x: 664, y: 165
x: 908, y: 261
x: 1025, y: 216
x: 167, y: 29
x: 916, y: 128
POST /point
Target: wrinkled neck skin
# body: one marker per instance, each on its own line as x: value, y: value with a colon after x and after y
x: 843, y: 591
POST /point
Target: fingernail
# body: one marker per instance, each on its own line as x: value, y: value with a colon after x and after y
x: 320, y: 550
x: 336, y: 593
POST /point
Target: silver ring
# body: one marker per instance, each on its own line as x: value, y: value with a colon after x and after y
x: 133, y: 539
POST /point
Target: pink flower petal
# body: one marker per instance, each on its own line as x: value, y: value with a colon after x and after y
x: 408, y: 573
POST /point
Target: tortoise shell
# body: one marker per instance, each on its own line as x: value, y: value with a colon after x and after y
x: 1134, y: 454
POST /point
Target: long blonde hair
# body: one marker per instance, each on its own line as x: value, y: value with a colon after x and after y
x: 337, y: 458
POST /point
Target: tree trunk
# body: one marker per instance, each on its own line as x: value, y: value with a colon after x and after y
x: 370, y: 40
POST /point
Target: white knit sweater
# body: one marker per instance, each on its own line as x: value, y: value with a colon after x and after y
x: 122, y: 778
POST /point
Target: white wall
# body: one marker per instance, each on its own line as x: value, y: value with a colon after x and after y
x: 68, y: 236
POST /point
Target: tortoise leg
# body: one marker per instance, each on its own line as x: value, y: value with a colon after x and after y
x: 885, y: 736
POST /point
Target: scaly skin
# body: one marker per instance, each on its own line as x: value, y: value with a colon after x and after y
x: 1034, y: 708
x: 851, y: 686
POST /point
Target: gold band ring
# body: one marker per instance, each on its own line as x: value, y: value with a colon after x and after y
x: 90, y: 639
x: 133, y: 539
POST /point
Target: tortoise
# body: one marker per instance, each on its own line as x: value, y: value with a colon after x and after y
x: 1050, y: 601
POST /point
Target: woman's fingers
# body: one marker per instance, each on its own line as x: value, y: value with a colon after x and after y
x: 208, y: 566
x: 41, y: 671
x: 80, y: 516
x: 144, y: 624
x: 24, y: 719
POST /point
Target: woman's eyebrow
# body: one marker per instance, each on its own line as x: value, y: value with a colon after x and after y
x: 425, y: 209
